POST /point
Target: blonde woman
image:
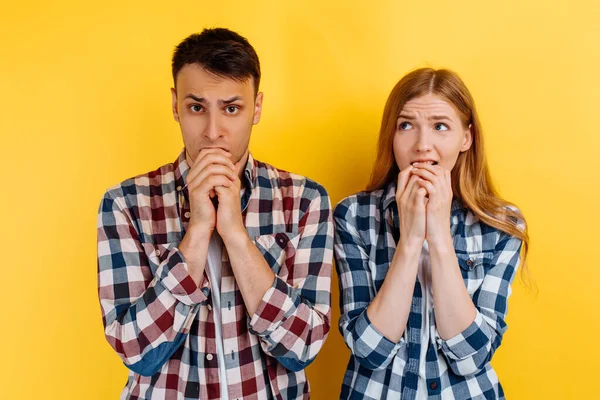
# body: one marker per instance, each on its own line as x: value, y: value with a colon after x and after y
x: 426, y: 255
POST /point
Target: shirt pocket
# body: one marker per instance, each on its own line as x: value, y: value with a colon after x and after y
x: 278, y: 249
x: 473, y: 267
x: 157, y: 253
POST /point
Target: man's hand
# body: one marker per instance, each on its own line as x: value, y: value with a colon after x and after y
x: 230, y: 223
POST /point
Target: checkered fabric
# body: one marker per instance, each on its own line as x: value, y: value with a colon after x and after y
x: 367, y: 231
x: 160, y: 322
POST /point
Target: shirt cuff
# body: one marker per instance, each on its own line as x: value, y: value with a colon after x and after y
x: 278, y: 303
x: 174, y: 275
x: 371, y: 344
x: 468, y: 342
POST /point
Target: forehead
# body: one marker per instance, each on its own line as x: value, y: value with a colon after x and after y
x: 194, y: 79
x: 428, y: 105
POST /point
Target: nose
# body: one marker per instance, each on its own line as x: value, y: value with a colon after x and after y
x: 213, y: 129
x: 424, y: 143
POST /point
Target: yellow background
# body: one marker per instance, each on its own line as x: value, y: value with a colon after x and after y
x: 85, y: 103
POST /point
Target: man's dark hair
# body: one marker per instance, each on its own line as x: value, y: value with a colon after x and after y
x: 221, y: 52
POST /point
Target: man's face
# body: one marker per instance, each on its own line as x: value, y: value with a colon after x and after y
x: 429, y: 130
x: 215, y: 112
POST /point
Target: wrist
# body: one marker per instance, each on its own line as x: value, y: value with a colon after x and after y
x: 442, y: 244
x: 410, y: 245
x: 235, y: 237
x: 198, y: 233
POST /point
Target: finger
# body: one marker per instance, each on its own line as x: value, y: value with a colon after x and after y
x: 439, y: 181
x: 238, y: 167
x: 420, y: 196
x: 212, y: 169
x: 222, y: 190
x: 202, y: 153
x: 208, y: 184
x: 212, y: 155
x: 210, y: 159
x: 435, y: 169
x: 409, y: 187
x: 448, y: 176
x: 426, y: 174
x: 403, y: 177
x: 213, y: 150
x: 428, y: 186
x: 216, y: 156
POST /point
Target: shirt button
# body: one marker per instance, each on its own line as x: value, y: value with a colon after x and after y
x: 178, y: 188
x: 158, y: 252
x: 433, y: 385
x: 187, y: 214
x: 209, y: 307
x: 469, y: 263
x: 209, y: 357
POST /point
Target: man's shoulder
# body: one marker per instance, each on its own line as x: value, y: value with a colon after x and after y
x: 289, y: 183
x: 157, y: 182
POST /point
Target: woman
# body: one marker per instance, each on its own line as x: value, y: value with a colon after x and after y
x: 426, y: 255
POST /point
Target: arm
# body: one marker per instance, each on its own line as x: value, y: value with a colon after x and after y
x: 290, y: 312
x: 146, y: 316
x: 472, y: 348
x: 470, y: 329
x: 371, y: 335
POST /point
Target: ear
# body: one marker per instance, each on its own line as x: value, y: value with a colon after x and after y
x: 257, y: 108
x: 467, y: 140
x: 174, y: 104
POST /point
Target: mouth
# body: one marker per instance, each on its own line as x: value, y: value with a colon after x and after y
x: 430, y: 162
x: 215, y: 147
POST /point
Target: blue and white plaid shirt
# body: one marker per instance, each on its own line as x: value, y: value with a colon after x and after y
x: 367, y: 231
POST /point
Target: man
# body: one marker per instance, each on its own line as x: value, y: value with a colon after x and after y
x: 215, y: 270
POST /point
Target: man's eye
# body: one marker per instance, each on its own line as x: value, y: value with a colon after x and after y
x: 231, y: 109
x: 403, y: 126
x: 441, y: 127
x: 196, y: 108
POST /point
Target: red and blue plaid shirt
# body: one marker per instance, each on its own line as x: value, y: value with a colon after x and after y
x: 160, y: 322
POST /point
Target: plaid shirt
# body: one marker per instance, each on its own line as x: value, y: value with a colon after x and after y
x: 160, y: 322
x: 367, y: 231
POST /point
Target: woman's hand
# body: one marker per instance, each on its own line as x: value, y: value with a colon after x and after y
x: 411, y: 200
x: 437, y: 182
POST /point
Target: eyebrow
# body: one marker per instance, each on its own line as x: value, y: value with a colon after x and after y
x: 439, y: 118
x: 221, y: 102
x: 433, y: 117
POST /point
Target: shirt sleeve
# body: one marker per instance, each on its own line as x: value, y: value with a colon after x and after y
x: 468, y: 352
x: 147, y: 305
x: 368, y: 345
x: 293, y: 318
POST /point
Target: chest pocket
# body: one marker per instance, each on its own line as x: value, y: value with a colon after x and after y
x: 157, y: 253
x: 473, y: 267
x: 278, y: 249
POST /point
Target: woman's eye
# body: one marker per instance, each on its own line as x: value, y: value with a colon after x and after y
x: 196, y: 108
x: 441, y: 127
x: 231, y: 109
x: 404, y: 126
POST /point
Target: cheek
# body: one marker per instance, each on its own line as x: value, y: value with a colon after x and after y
x: 401, y: 152
x: 239, y: 134
x: 450, y: 153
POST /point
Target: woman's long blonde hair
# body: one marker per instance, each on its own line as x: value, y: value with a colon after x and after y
x: 471, y: 180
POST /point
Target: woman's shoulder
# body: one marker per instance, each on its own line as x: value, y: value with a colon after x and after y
x: 473, y: 228
x: 360, y: 203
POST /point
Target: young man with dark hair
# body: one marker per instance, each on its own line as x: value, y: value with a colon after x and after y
x: 214, y: 271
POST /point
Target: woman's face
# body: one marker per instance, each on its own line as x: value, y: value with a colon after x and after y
x: 429, y: 130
